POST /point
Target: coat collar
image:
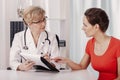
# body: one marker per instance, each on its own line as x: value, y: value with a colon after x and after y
x: 30, y: 41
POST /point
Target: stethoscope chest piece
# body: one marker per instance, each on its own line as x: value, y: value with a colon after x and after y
x: 25, y: 47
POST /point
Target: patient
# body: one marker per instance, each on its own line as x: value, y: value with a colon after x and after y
x: 102, y: 51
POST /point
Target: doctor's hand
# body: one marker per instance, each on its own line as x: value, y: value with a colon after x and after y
x: 27, y: 65
x: 47, y: 57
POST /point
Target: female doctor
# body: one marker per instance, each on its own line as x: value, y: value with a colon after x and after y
x: 35, y: 40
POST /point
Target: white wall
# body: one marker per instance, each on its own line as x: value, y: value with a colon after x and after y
x: 3, y: 35
x: 59, y: 14
x: 7, y: 11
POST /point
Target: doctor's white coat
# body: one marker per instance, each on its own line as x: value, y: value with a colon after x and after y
x: 18, y: 44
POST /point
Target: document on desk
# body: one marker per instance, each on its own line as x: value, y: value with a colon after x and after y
x: 33, y: 57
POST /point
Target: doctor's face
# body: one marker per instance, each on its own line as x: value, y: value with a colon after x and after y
x: 39, y: 24
x: 88, y: 28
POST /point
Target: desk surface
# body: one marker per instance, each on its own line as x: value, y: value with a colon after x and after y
x: 31, y: 75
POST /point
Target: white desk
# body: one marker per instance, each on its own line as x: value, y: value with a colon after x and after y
x: 31, y: 75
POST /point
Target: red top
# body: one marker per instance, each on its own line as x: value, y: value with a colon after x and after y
x: 105, y: 64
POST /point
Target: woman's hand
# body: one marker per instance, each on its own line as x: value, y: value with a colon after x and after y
x: 60, y: 60
x: 27, y: 65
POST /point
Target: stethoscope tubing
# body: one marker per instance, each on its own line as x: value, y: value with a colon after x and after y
x: 25, y: 45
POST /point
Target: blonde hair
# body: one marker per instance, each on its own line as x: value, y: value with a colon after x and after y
x: 33, y: 13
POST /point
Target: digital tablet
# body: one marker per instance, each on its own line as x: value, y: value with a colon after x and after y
x: 49, y: 65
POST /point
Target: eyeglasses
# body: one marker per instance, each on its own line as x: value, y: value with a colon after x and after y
x: 40, y: 21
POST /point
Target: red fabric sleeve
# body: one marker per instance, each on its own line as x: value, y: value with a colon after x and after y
x: 118, y: 51
x: 89, y: 46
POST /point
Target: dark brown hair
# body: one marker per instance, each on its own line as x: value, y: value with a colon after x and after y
x: 97, y: 16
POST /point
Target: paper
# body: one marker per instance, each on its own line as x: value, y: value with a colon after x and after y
x: 33, y: 57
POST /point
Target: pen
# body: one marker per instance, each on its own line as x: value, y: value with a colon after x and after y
x: 23, y: 57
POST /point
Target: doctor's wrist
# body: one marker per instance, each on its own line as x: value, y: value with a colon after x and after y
x: 18, y: 68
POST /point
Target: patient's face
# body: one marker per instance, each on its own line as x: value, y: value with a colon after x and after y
x: 88, y: 28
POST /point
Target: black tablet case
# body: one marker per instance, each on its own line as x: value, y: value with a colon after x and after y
x: 50, y: 68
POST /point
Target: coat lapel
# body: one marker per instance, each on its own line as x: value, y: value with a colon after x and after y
x: 42, y: 47
x: 30, y: 42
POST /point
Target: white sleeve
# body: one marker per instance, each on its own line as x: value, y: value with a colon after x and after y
x: 54, y: 48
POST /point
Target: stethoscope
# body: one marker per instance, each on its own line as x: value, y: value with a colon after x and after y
x: 25, y: 47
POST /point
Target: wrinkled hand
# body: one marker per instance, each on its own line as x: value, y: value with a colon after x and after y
x: 27, y: 65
